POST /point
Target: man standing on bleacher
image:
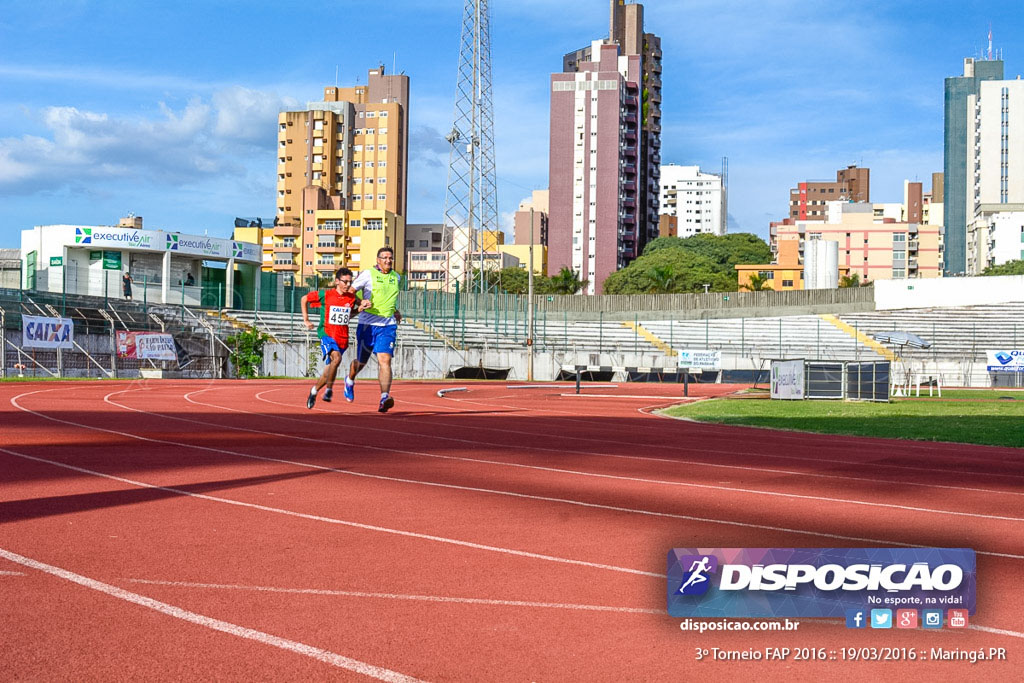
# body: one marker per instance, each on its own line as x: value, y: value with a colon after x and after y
x: 378, y: 325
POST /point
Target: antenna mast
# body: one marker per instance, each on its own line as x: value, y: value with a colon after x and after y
x: 471, y: 202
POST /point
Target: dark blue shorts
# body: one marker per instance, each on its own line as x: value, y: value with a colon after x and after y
x: 375, y: 339
x: 328, y: 344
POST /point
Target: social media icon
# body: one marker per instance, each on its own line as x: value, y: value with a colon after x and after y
x: 856, y: 618
x: 931, y: 618
x: 957, y: 618
x: 906, y: 618
x: 881, y: 618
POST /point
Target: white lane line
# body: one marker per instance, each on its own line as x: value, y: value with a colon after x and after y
x: 325, y: 656
x: 343, y: 522
x: 6, y: 573
x: 558, y: 470
x: 936, y: 448
x: 399, y: 596
x: 563, y: 451
x: 999, y: 631
x: 511, y: 494
x: 329, y: 469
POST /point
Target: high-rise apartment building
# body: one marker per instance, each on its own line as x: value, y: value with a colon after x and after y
x: 807, y: 199
x: 347, y: 153
x: 593, y: 165
x: 633, y: 79
x: 695, y: 198
x: 995, y: 173
x: 959, y: 148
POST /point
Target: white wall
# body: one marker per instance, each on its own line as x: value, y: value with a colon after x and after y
x: 950, y: 291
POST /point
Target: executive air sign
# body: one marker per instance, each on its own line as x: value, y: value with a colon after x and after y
x: 816, y: 582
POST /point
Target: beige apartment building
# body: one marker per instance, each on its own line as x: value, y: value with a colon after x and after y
x: 875, y: 248
x: 346, y: 154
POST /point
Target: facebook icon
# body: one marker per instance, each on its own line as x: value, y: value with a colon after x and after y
x: 856, y: 618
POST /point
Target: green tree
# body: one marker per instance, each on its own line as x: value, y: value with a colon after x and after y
x: 1008, y: 268
x: 663, y: 279
x: 567, y: 281
x: 756, y: 283
x: 690, y: 272
x: 247, y: 353
x: 851, y: 280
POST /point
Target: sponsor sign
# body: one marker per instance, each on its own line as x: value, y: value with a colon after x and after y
x: 700, y: 358
x: 151, y: 345
x: 95, y: 255
x: 818, y: 582
x: 56, y: 260
x: 111, y: 260
x: 118, y: 237
x: 1005, y: 361
x: 47, y: 333
x: 788, y: 379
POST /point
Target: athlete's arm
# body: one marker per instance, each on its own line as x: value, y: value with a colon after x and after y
x: 304, y: 301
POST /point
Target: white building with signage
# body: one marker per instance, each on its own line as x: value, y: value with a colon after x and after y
x: 165, y: 267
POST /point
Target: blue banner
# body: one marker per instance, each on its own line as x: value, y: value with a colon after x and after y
x: 817, y: 582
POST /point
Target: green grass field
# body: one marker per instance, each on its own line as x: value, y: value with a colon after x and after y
x: 961, y: 416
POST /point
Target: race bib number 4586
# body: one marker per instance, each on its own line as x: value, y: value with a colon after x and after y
x: 339, y: 315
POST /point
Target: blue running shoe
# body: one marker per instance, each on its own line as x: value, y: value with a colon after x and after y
x: 328, y: 395
x: 350, y: 392
x: 386, y: 404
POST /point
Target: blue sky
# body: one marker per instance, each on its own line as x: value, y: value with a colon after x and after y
x: 168, y: 110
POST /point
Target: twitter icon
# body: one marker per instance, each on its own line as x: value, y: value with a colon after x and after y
x: 881, y: 618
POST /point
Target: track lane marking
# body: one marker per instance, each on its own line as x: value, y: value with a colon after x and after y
x: 319, y: 654
x: 470, y: 601
x: 490, y: 491
x: 342, y: 522
x: 399, y: 596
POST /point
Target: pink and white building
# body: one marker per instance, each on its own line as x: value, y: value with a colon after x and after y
x: 594, y: 221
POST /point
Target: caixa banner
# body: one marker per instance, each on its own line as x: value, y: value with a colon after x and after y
x: 816, y: 582
x: 47, y: 333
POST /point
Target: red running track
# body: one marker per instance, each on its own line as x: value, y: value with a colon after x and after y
x: 170, y: 530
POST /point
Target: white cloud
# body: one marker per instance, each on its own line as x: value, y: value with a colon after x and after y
x: 176, y: 147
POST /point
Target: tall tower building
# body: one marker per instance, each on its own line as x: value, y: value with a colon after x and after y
x: 958, y: 149
x: 995, y: 174
x: 626, y: 28
x: 594, y: 207
x: 346, y: 154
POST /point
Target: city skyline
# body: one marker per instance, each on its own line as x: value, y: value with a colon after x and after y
x: 171, y: 114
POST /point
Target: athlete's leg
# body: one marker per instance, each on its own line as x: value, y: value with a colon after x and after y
x: 384, y: 372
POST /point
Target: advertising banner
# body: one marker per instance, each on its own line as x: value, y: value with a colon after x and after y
x: 788, y: 379
x: 47, y: 333
x: 1011, y: 360
x: 818, y: 582
x: 146, y: 345
x: 700, y: 358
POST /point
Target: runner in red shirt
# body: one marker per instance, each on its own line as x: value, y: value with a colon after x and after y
x: 336, y: 307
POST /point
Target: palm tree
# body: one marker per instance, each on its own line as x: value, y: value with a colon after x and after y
x: 567, y: 282
x: 663, y: 279
x: 756, y: 283
x: 851, y: 280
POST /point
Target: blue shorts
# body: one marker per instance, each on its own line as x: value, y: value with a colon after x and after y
x: 328, y: 344
x: 375, y: 339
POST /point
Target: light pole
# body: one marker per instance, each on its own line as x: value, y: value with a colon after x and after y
x: 529, y: 309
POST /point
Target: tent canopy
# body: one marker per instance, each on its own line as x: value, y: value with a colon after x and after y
x: 902, y: 339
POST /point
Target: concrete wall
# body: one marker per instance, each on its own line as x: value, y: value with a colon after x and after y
x: 948, y: 292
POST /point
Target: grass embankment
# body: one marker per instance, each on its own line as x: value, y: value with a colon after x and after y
x: 969, y: 416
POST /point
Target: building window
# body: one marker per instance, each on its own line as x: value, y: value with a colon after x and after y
x: 787, y: 283
x: 382, y: 197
